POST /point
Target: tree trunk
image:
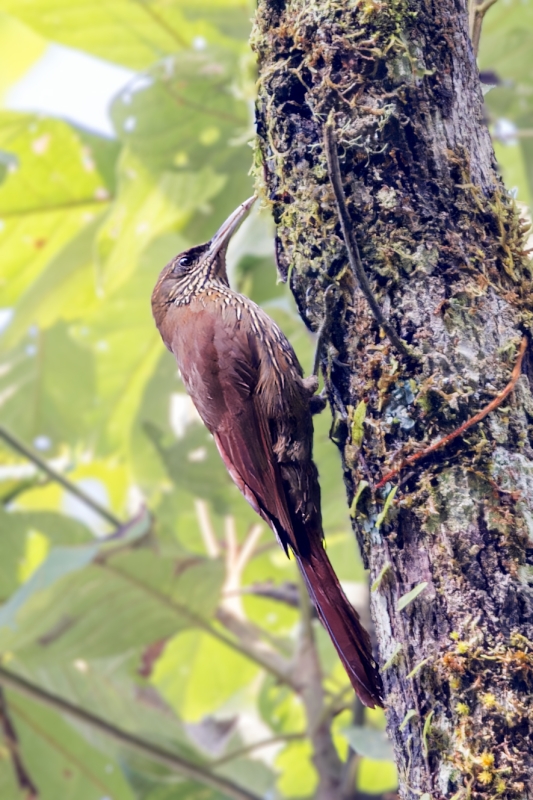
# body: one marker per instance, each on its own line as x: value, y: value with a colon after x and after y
x: 443, y: 248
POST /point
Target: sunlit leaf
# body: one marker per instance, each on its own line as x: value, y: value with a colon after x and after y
x: 182, y: 113
x: 59, y: 613
x: 197, y: 675
x: 52, y: 190
x: 131, y: 33
x: 368, y: 742
x: 40, y: 397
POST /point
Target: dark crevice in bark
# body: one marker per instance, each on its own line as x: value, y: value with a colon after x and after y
x: 443, y: 247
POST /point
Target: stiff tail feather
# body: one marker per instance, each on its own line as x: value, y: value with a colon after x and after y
x: 342, y: 622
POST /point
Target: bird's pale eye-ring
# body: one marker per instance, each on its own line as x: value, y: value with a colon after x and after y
x: 180, y: 265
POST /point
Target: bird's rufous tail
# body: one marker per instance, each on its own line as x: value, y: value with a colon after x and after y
x: 342, y: 622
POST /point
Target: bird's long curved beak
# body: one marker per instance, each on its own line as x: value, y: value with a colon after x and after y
x: 221, y: 238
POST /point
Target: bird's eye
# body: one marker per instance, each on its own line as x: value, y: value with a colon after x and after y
x: 185, y: 261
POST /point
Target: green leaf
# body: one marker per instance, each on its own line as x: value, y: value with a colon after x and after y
x: 376, y: 777
x: 425, y: 731
x: 408, y: 717
x: 47, y: 384
x: 60, y: 562
x: 298, y: 776
x: 193, y: 463
x: 369, y: 742
x: 20, y: 48
x: 52, y: 192
x: 357, y: 424
x: 197, y: 675
x: 507, y: 49
x: 65, y: 284
x: 108, y: 688
x: 59, y: 760
x: 132, y: 34
x: 60, y: 614
x: 393, y: 657
x: 383, y: 571
x: 407, y: 599
x: 146, y: 207
x: 382, y: 516
x: 361, y: 486
x: 416, y: 669
x: 184, y: 112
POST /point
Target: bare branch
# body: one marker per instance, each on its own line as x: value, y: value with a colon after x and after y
x: 236, y: 561
x: 476, y: 14
x: 21, y: 448
x: 497, y: 401
x: 209, y: 536
x: 248, y: 548
x: 251, y: 748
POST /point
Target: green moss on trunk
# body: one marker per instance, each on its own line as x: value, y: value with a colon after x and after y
x: 443, y: 246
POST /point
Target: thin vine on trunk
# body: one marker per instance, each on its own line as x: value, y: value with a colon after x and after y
x: 449, y: 539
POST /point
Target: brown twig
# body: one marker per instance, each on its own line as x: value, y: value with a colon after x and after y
x: 350, y: 241
x: 12, y: 744
x: 497, y: 401
x: 477, y: 11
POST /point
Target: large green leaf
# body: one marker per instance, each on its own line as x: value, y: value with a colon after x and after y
x: 507, y: 49
x: 52, y: 190
x: 128, y: 32
x: 197, y: 675
x: 16, y: 526
x: 66, y: 284
x: 147, y: 206
x: 60, y: 762
x: 109, y: 607
x: 47, y: 384
x: 183, y: 112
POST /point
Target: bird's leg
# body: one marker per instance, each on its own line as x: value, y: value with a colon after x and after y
x: 318, y: 402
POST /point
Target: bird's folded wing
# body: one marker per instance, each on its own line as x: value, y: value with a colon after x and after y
x: 244, y: 442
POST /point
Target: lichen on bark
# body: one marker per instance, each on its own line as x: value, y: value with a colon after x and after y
x: 443, y: 246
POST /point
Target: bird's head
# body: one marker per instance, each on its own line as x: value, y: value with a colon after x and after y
x: 191, y: 271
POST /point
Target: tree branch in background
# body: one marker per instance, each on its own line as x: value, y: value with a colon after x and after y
x: 158, y: 754
x: 236, y: 560
x: 209, y: 537
x: 39, y: 462
x: 12, y: 743
x: 476, y: 12
x: 253, y: 746
x: 248, y: 644
x: 309, y: 674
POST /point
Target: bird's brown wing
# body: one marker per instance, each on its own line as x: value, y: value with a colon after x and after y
x: 224, y: 393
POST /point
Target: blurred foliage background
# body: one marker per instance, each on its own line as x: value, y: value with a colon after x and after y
x: 155, y: 598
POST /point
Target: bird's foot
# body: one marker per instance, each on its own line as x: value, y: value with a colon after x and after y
x: 317, y: 402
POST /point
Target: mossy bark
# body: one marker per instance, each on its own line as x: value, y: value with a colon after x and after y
x: 443, y: 247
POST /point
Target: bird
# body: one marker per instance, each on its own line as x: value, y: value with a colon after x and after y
x: 248, y: 387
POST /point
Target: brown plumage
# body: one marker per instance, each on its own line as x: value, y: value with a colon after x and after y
x: 246, y: 382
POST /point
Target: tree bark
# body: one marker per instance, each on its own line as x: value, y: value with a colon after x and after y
x: 442, y: 245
